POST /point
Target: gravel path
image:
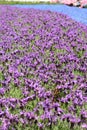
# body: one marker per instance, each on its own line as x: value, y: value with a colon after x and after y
x: 78, y: 14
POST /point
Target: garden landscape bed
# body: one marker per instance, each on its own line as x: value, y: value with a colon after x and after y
x: 77, y: 14
x: 43, y: 65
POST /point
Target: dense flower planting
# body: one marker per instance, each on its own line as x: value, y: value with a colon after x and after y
x: 81, y: 3
x: 43, y: 65
x: 72, y: 12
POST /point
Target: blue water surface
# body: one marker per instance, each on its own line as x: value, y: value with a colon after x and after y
x: 78, y: 14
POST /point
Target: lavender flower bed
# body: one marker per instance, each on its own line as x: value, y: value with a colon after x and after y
x: 43, y: 65
x: 78, y: 14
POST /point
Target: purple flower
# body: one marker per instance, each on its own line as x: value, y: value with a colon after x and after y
x: 84, y: 126
x: 2, y: 91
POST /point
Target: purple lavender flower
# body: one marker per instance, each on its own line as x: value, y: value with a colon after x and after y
x: 41, y: 51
